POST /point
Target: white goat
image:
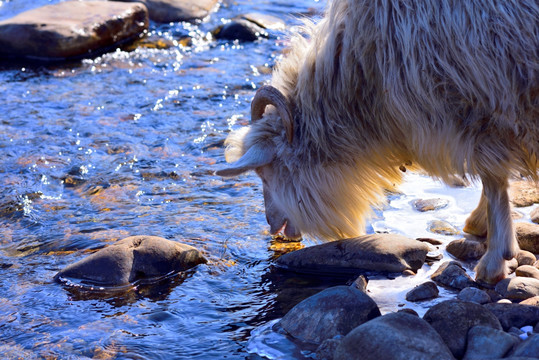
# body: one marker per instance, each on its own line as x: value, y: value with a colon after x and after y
x: 449, y: 86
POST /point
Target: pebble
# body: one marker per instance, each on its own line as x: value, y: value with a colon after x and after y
x: 430, y: 204
x: 427, y: 290
x: 466, y: 249
x: 473, y: 294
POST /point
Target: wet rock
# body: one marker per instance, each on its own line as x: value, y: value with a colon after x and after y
x: 452, y: 274
x: 525, y: 258
x: 435, y: 255
x: 423, y: 291
x: 534, y: 215
x: 395, y: 336
x: 484, y: 342
x: 265, y: 21
x: 466, y: 249
x: 430, y: 204
x: 177, y: 10
x: 331, y: 312
x: 523, y: 193
x: 240, y: 29
x: 326, y: 350
x: 527, y: 271
x: 528, y: 236
x: 71, y: 29
x: 442, y: 227
x: 528, y: 348
x: 518, y: 288
x: 514, y: 315
x: 376, y: 252
x: 533, y: 301
x: 131, y: 259
x: 475, y: 295
x: 452, y: 319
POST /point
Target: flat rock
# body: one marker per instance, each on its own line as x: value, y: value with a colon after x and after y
x: 131, y: 259
x: 523, y: 193
x: 527, y: 271
x: 430, y: 204
x: 534, y: 215
x: 452, y: 319
x: 442, y: 227
x: 331, y: 312
x: 514, y: 315
x: 528, y: 236
x: 452, y: 274
x: 165, y: 11
x: 475, y: 295
x: 528, y: 348
x: 376, y: 252
x: 71, y: 29
x: 240, y: 29
x: 466, y: 249
x: 395, y: 336
x: 518, y: 288
x: 427, y: 290
x: 484, y: 342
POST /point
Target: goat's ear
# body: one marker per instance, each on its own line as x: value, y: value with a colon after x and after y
x: 258, y: 155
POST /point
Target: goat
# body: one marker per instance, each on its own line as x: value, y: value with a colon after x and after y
x: 448, y: 86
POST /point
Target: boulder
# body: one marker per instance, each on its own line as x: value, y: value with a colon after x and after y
x: 527, y: 271
x: 466, y: 249
x: 528, y: 236
x: 132, y: 259
x: 475, y: 295
x: 430, y: 204
x: 71, y: 29
x: 376, y: 252
x: 427, y: 290
x: 518, y: 288
x: 331, y: 312
x: 452, y: 319
x: 452, y: 274
x: 395, y: 336
x: 485, y: 342
x: 523, y: 193
x: 165, y: 11
x: 528, y: 348
x: 514, y: 315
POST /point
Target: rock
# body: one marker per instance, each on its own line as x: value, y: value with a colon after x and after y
x: 452, y: 274
x: 512, y: 265
x: 475, y: 295
x: 431, y: 241
x: 360, y: 283
x: 485, y: 342
x: 534, y: 215
x: 533, y: 301
x: 430, y: 204
x: 523, y: 193
x: 395, y: 336
x: 71, y: 29
x: 528, y: 348
x: 466, y: 249
x: 527, y: 271
x: 165, y: 11
x: 242, y: 30
x: 514, y: 315
x: 326, y: 350
x: 131, y: 259
x: 265, y: 21
x: 333, y: 311
x: 442, y: 227
x: 525, y: 258
x: 518, y: 288
x: 409, y: 311
x: 424, y: 291
x: 452, y: 319
x: 376, y: 252
x: 528, y: 236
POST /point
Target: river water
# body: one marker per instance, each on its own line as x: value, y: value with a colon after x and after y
x: 126, y: 144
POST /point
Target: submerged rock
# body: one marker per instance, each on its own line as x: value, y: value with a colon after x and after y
x: 331, y: 312
x: 452, y: 319
x: 528, y: 236
x: 131, y: 259
x: 177, y: 10
x: 514, y: 315
x: 518, y: 288
x: 71, y: 29
x: 442, y: 227
x: 452, y: 274
x: 466, y: 249
x: 376, y: 252
x: 484, y: 342
x: 395, y: 336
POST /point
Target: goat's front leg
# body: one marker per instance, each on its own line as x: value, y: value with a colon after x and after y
x: 501, y: 241
x: 477, y: 223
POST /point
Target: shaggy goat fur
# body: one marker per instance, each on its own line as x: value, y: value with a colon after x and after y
x: 450, y: 86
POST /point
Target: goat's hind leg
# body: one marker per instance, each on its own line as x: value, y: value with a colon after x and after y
x: 477, y: 223
x: 501, y: 241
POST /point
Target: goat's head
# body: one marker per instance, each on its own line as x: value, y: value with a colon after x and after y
x: 259, y: 153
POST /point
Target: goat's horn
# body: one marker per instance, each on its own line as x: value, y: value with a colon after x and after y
x: 268, y: 95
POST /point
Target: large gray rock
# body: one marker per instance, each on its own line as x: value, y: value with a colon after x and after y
x: 485, y: 342
x: 518, y: 288
x: 377, y: 252
x: 177, y: 10
x: 395, y: 336
x: 331, y: 312
x: 452, y: 274
x: 452, y: 319
x: 71, y: 29
x: 528, y: 236
x: 514, y: 315
x: 131, y: 259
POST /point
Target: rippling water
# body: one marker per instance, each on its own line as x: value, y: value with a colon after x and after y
x: 126, y: 144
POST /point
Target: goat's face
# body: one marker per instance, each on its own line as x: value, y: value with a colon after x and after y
x: 261, y: 157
